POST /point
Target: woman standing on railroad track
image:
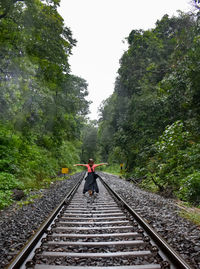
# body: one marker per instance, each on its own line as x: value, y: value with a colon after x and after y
x: 90, y: 181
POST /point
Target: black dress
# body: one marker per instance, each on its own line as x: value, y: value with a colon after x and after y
x: 91, y: 183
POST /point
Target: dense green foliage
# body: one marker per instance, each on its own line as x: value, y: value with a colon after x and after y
x: 42, y: 105
x: 89, y: 148
x: 151, y: 121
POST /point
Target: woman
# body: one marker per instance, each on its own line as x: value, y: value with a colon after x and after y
x: 90, y: 181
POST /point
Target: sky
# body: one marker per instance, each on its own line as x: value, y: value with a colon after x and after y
x: 100, y: 28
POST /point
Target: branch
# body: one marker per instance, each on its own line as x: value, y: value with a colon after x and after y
x: 161, y: 188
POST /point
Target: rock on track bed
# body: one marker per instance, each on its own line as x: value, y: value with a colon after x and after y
x: 18, y: 224
x: 163, y: 215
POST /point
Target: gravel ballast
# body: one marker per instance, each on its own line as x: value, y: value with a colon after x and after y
x: 163, y: 215
x: 17, y: 224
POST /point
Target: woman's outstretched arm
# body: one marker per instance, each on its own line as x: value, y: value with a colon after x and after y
x: 99, y: 164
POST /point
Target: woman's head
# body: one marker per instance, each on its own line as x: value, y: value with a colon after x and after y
x: 90, y: 162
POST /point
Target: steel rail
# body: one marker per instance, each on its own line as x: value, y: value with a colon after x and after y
x: 26, y: 250
x: 173, y: 257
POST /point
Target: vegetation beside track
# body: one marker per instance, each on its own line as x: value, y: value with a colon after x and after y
x: 42, y: 105
x: 150, y: 123
x: 189, y: 212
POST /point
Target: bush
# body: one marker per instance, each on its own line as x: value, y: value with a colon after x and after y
x: 9, y: 150
x: 69, y: 153
x: 5, y: 198
x: 9, y: 182
x: 190, y: 190
x: 36, y: 163
x: 176, y: 156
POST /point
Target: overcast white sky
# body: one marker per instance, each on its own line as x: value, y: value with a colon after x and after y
x: 100, y: 26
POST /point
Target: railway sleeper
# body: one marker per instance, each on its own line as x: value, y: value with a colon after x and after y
x: 95, y: 233
x: 149, y: 266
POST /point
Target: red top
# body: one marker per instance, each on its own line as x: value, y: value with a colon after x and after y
x: 89, y: 168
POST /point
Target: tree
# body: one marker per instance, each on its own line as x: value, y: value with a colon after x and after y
x: 89, y: 140
x: 151, y: 90
x: 42, y: 105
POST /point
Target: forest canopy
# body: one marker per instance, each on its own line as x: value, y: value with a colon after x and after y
x: 151, y: 122
x: 42, y: 105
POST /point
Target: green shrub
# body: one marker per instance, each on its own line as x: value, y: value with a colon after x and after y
x: 9, y: 182
x: 190, y: 190
x: 69, y: 153
x: 113, y: 169
x: 176, y: 157
x: 5, y: 198
x: 9, y: 150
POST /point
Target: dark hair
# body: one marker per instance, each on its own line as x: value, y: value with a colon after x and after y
x: 90, y: 161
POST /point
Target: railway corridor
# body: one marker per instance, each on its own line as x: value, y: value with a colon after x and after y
x: 99, y: 231
x: 94, y: 231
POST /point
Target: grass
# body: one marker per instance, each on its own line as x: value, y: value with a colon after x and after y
x: 29, y: 184
x: 193, y: 217
x: 190, y: 213
x: 114, y: 169
x: 29, y: 200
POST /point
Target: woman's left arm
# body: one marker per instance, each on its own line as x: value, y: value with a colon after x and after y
x: 99, y: 164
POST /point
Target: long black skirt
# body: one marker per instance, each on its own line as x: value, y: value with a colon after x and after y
x: 90, y: 183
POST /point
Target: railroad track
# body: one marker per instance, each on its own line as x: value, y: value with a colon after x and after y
x: 99, y: 231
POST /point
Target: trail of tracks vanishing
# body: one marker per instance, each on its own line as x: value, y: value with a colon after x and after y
x: 99, y: 231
